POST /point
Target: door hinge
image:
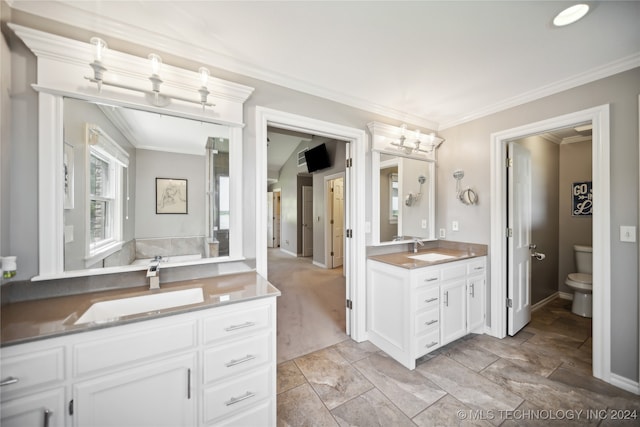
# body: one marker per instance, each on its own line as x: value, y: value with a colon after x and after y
x: 509, y: 232
x: 349, y: 304
x: 331, y: 253
x: 349, y: 233
x: 349, y: 163
x: 71, y: 407
x: 509, y: 303
x: 331, y: 222
x: 509, y: 162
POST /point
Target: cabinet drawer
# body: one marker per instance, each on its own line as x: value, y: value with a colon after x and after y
x: 427, y: 343
x: 39, y: 409
x: 455, y: 270
x: 427, y: 298
x: 31, y: 369
x: 476, y: 266
x: 109, y: 352
x: 237, y: 357
x: 427, y: 276
x: 237, y: 394
x: 428, y: 320
x: 260, y: 415
x: 232, y: 324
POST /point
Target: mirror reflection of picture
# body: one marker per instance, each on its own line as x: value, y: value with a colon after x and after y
x: 68, y: 175
x: 171, y: 196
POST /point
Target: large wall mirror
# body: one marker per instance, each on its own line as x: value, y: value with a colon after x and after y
x: 141, y: 184
x: 405, y: 197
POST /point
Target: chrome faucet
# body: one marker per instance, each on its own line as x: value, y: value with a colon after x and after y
x: 153, y: 273
x: 416, y: 242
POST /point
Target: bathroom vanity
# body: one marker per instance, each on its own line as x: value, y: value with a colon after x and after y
x: 418, y: 302
x: 201, y: 363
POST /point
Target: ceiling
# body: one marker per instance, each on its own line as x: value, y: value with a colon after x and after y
x: 432, y: 64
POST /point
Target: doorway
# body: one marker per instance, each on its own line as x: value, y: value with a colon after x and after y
x: 599, y: 117
x: 334, y: 229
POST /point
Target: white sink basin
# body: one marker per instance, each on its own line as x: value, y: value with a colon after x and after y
x: 432, y: 257
x: 107, y: 311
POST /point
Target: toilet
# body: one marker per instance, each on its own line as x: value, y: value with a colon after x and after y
x: 581, y: 281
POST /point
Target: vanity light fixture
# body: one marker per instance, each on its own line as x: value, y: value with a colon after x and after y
x: 155, y: 61
x: 571, y: 15
x: 419, y: 143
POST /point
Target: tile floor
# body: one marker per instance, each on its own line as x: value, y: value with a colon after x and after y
x: 541, y: 376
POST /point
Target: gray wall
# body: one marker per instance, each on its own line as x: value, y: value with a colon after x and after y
x: 575, y: 166
x: 467, y: 147
x: 544, y: 216
x: 156, y: 164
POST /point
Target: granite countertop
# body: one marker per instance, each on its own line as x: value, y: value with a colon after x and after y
x: 38, y: 319
x: 404, y: 260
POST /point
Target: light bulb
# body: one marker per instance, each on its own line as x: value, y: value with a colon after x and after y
x: 156, y: 62
x: 403, y: 129
x: 204, y: 76
x: 100, y: 46
x: 418, y: 135
x: 570, y: 15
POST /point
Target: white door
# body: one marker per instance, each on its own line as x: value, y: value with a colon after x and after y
x: 453, y: 314
x: 270, y: 219
x: 519, y: 224
x: 158, y: 394
x: 307, y: 220
x: 475, y: 304
x: 337, y: 223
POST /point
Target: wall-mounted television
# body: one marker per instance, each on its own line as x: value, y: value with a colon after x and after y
x: 317, y: 158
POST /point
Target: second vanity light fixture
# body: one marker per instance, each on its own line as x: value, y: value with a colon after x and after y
x: 417, y: 143
x: 158, y: 99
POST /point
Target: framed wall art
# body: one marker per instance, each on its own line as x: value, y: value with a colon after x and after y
x: 171, y: 196
x: 582, y: 199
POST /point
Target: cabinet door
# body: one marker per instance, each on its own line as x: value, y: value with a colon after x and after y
x: 453, y: 310
x: 44, y: 409
x: 475, y: 304
x: 159, y: 394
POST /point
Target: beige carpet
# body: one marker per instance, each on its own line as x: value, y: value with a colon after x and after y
x: 311, y: 309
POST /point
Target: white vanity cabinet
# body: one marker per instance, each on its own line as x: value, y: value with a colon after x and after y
x: 207, y: 367
x: 413, y: 311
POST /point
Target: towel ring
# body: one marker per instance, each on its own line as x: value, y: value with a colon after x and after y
x: 468, y: 197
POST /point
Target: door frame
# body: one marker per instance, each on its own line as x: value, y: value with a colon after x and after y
x: 355, y: 248
x: 303, y: 224
x: 328, y: 230
x: 599, y: 117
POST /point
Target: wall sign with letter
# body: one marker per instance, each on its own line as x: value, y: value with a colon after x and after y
x: 582, y: 195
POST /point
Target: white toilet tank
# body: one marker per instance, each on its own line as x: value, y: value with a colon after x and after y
x: 584, y: 258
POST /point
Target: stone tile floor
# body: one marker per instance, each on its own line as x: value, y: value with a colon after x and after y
x: 541, y: 376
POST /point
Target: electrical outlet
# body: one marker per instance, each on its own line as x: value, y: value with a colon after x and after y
x: 455, y: 226
x: 627, y: 233
x: 443, y: 233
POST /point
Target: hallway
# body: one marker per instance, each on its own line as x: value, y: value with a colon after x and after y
x: 311, y: 309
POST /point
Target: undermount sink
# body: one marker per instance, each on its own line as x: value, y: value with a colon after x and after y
x: 106, y: 311
x: 432, y: 257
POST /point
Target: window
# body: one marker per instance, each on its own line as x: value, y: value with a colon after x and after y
x: 107, y: 161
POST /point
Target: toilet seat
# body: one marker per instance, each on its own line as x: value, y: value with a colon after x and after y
x: 580, y: 281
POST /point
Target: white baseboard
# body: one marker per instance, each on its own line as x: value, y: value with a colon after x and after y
x: 545, y: 301
x: 624, y: 383
x: 566, y: 295
x: 288, y: 252
x: 317, y: 264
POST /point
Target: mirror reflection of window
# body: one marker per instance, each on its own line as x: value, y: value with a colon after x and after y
x: 393, y: 198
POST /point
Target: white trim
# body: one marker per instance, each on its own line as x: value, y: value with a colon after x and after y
x: 597, y: 73
x: 565, y: 295
x: 625, y: 383
x: 319, y: 264
x: 545, y: 301
x: 355, y: 250
x: 286, y: 252
x: 599, y: 116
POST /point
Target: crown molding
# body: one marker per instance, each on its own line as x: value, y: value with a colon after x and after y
x: 597, y: 73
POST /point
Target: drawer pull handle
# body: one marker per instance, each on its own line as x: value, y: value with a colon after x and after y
x: 431, y: 322
x: 240, y: 326
x: 431, y: 299
x: 431, y: 344
x: 9, y: 381
x: 189, y: 383
x: 431, y: 279
x: 235, y: 362
x: 47, y: 417
x: 473, y: 290
x: 446, y: 299
x: 479, y: 268
x: 235, y: 400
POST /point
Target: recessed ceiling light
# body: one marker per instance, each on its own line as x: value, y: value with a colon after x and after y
x: 570, y: 15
